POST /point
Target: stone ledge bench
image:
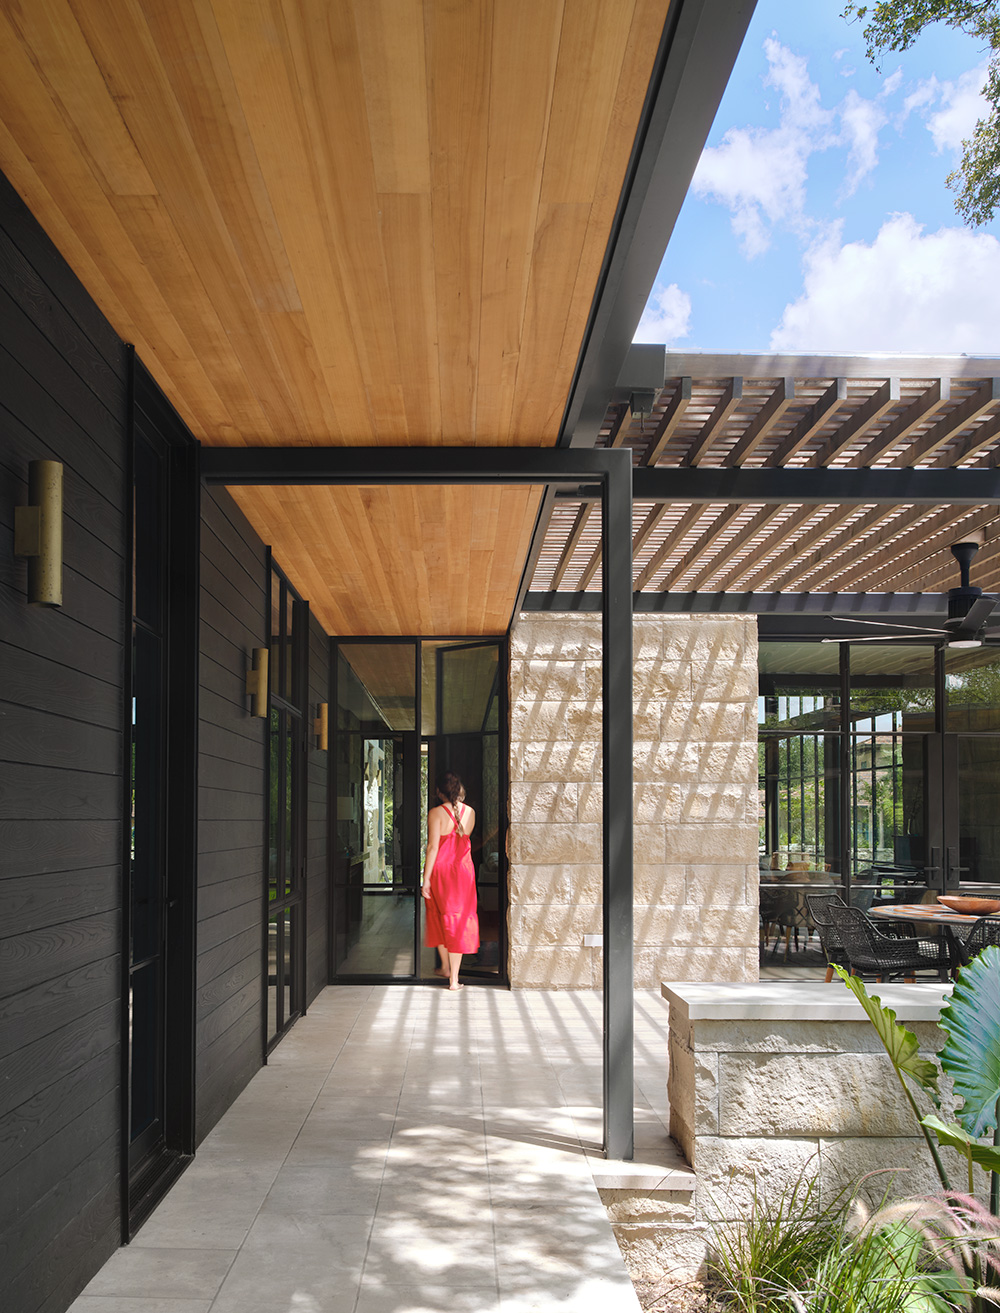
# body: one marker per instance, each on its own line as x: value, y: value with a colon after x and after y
x: 772, y: 1078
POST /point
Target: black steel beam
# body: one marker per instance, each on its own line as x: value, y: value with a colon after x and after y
x: 913, y: 608
x: 616, y: 597
x: 819, y: 487
x: 280, y: 466
x: 700, y: 42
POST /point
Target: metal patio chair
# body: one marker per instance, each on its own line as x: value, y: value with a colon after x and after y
x: 819, y: 905
x: 981, y: 933
x: 871, y: 952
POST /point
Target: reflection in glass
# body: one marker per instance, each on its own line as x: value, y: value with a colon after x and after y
x: 892, y: 687
x: 978, y: 809
x: 972, y: 683
x: 799, y: 687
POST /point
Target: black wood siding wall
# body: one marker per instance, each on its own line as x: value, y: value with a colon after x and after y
x: 64, y: 397
x: 231, y: 829
x: 316, y: 869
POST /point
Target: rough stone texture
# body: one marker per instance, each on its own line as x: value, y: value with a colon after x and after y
x: 755, y: 1104
x: 695, y: 799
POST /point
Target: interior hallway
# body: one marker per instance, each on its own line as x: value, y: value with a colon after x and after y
x: 406, y: 1150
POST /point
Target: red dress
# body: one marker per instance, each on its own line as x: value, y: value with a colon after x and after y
x: 451, y: 908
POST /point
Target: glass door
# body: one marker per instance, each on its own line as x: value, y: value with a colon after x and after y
x: 376, y: 874
x: 286, y: 801
x: 461, y: 718
x: 970, y: 830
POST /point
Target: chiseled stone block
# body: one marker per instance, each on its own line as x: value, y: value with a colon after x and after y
x: 554, y: 968
x: 532, y: 680
x: 810, y: 1094
x: 715, y: 802
x: 660, y: 759
x: 731, y: 1171
x: 571, y: 638
x: 686, y: 926
x: 723, y: 843
x: 898, y: 1165
x: 555, y: 843
x: 709, y: 963
x: 711, y: 722
x: 664, y: 1249
x: 553, y: 719
x: 566, y: 882
x: 649, y: 1205
x: 554, y: 924
x: 554, y: 761
x: 726, y: 882
x: 544, y: 802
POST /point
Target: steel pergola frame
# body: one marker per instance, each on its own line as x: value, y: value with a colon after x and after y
x: 609, y: 475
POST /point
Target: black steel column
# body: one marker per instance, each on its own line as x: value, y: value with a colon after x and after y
x: 616, y: 527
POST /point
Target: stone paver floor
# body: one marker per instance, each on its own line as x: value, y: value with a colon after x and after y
x: 405, y: 1150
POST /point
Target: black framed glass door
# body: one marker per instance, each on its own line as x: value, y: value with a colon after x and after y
x: 407, y: 709
x: 283, y: 950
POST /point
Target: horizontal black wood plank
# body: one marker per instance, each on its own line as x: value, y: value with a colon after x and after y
x: 226, y: 1069
x: 234, y: 922
x: 212, y: 1025
x: 52, y: 898
x: 218, y: 898
x: 245, y: 864
x: 235, y: 777
x: 44, y: 739
x: 47, y: 1060
x: 43, y: 1172
x: 227, y: 682
x: 213, y: 993
x: 214, y: 710
x: 45, y: 954
x: 38, y: 1011
x: 228, y: 954
x: 63, y: 640
x: 32, y: 680
x: 222, y: 804
x: 232, y: 526
x: 218, y: 836
x: 41, y: 793
x: 244, y: 617
x: 23, y: 232
x: 64, y: 1266
x: 244, y: 567
x: 33, y: 847
x: 28, y: 1127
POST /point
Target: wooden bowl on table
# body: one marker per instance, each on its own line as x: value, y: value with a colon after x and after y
x: 970, y: 906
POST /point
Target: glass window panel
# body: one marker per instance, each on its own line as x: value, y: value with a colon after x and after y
x: 972, y: 682
x: 376, y: 687
x: 288, y: 665
x: 892, y: 687
x: 289, y: 826
x: 274, y: 809
x: 149, y: 557
x: 799, y: 686
x: 379, y: 934
x: 978, y: 812
x: 291, y: 919
x: 274, y: 664
x: 147, y: 799
x: 147, y: 1076
x: 274, y: 937
x: 466, y: 677
x: 888, y: 816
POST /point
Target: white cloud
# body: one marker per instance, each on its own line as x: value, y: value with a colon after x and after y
x: 760, y: 173
x: 962, y: 105
x: 905, y: 291
x: 861, y: 120
x: 667, y: 316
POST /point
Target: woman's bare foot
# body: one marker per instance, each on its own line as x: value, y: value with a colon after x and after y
x: 452, y: 989
x: 440, y: 971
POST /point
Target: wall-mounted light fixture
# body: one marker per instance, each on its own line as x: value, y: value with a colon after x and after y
x: 321, y: 726
x: 38, y: 532
x: 257, y: 682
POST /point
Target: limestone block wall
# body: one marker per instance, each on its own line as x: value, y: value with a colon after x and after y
x: 695, y: 799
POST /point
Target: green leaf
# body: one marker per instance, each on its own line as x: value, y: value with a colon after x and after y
x: 971, y: 1056
x: 900, y: 1043
x: 952, y: 1135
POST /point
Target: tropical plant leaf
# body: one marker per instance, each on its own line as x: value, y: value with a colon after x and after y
x: 971, y: 1056
x: 900, y: 1043
x: 951, y: 1135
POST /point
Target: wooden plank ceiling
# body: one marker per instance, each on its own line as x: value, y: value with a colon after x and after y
x: 377, y: 222
x: 943, y: 419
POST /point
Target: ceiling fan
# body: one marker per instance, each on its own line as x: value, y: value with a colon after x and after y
x: 968, y: 610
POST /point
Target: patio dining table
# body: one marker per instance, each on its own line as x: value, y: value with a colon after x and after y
x: 929, y: 914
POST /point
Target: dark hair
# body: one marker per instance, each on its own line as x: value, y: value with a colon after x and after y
x: 450, y: 785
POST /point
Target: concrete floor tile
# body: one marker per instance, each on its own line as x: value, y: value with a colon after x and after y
x: 163, y: 1273
x: 129, y: 1304
x: 322, y: 1190
x: 426, y: 1297
x: 264, y: 1283
x: 404, y: 1249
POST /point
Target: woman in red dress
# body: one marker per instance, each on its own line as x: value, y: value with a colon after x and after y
x: 452, y: 925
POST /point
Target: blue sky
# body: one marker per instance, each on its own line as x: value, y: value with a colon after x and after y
x: 818, y: 219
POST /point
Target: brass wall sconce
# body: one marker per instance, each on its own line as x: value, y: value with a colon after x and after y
x: 38, y: 532
x: 257, y: 682
x: 321, y: 726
